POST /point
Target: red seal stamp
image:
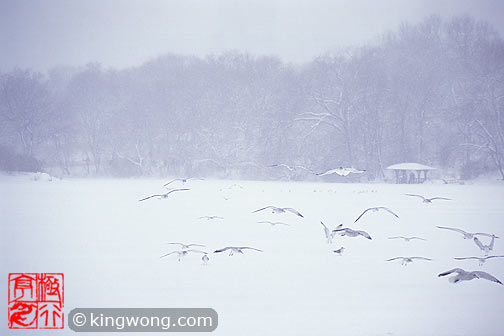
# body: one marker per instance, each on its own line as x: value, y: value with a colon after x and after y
x: 36, y: 301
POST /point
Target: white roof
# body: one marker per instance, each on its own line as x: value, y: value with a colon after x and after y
x: 410, y: 166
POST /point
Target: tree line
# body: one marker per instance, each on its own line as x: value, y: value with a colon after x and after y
x: 431, y: 93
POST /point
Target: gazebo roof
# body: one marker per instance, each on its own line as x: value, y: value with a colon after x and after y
x: 410, y: 166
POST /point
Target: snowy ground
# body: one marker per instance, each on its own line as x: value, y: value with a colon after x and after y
x: 108, y: 246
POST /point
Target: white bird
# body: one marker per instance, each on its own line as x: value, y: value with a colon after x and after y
x: 183, y: 180
x: 466, y: 235
x: 185, y: 246
x: 406, y: 260
x: 233, y: 250
x: 161, y: 196
x: 341, y: 171
x: 339, y: 251
x: 182, y: 253
x: 351, y: 233
x: 280, y: 210
x: 291, y: 168
x: 463, y: 275
x: 328, y: 233
x: 205, y: 259
x: 210, y: 217
x: 485, y: 248
x: 480, y: 259
x: 407, y: 239
x: 376, y: 209
x: 273, y: 223
x: 429, y: 200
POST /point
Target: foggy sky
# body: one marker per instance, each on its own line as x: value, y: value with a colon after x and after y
x: 41, y: 34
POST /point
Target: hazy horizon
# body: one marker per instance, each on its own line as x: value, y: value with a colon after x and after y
x: 41, y: 35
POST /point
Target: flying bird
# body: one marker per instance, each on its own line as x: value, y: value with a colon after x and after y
x: 328, y: 233
x: 185, y: 246
x: 407, y: 239
x: 351, y: 233
x: 182, y: 253
x: 273, y: 223
x: 406, y: 260
x: 429, y: 200
x: 160, y: 196
x: 466, y: 235
x: 210, y: 217
x: 280, y: 210
x: 183, y: 180
x: 374, y: 210
x: 233, y: 250
x: 466, y: 276
x: 480, y: 259
x: 339, y: 251
x: 485, y: 248
x: 341, y: 171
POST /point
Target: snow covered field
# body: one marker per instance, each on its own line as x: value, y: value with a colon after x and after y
x: 108, y: 245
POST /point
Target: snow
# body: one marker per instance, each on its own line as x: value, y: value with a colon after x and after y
x: 108, y: 246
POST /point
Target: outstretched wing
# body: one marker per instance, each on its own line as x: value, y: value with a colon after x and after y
x: 326, y: 230
x: 329, y: 172
x: 478, y: 242
x: 419, y: 238
x: 222, y: 249
x: 294, y: 211
x: 388, y: 210
x: 485, y: 234
x: 362, y: 214
x: 421, y: 258
x: 441, y: 198
x: 167, y: 254
x: 175, y: 244
x: 500, y: 256
x: 485, y: 275
x: 250, y: 248
x: 415, y: 195
x: 196, y: 251
x: 268, y: 207
x: 398, y: 237
x: 455, y: 270
x: 396, y: 258
x: 364, y: 234
x: 174, y: 190
x: 452, y: 229
x: 146, y: 198
x: 465, y: 258
x: 164, y: 185
x: 189, y: 245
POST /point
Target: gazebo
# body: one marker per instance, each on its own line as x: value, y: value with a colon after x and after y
x: 410, y: 172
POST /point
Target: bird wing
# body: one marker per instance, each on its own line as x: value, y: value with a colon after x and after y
x: 362, y: 214
x: 387, y: 209
x: 250, y: 248
x: 146, y: 198
x: 188, y: 245
x: 222, y: 249
x: 465, y: 258
x: 268, y: 207
x: 478, y: 242
x: 441, y: 198
x: 398, y: 237
x: 294, y: 211
x: 326, y: 230
x: 500, y: 256
x: 196, y: 251
x: 167, y: 254
x: 452, y: 229
x: 455, y: 270
x: 173, y: 190
x: 484, y: 234
x: 329, y: 172
x: 419, y: 238
x: 420, y: 258
x: 281, y: 165
x: 164, y: 185
x: 175, y: 244
x: 365, y: 234
x: 415, y: 195
x: 487, y: 276
x: 396, y: 258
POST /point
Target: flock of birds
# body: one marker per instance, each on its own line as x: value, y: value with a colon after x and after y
x: 458, y: 274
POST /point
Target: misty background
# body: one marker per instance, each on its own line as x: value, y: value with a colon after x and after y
x: 430, y: 90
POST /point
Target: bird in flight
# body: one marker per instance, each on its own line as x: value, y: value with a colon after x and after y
x: 183, y: 180
x: 463, y: 275
x: 160, y: 196
x: 485, y: 248
x: 466, y: 235
x: 182, y: 253
x: 185, y: 246
x: 407, y: 239
x: 341, y: 171
x: 328, y: 233
x: 273, y: 223
x: 429, y: 200
x: 233, y: 250
x: 374, y: 210
x: 406, y: 260
x: 339, y: 251
x: 351, y: 233
x: 480, y: 259
x: 275, y: 209
x: 210, y: 217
